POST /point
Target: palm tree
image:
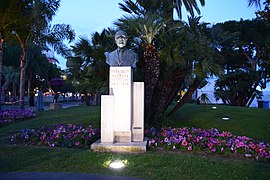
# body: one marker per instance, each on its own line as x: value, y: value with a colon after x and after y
x: 163, y: 8
x: 256, y: 3
x: 152, y: 22
x: 35, y: 28
x: 88, y: 68
x: 147, y: 28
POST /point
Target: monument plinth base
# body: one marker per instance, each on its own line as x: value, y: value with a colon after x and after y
x: 130, y: 148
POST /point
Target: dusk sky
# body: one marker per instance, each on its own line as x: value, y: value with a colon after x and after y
x: 89, y: 16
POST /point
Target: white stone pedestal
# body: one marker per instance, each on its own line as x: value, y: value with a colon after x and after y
x: 138, y: 112
x: 107, y: 132
x: 121, y: 89
x: 122, y: 114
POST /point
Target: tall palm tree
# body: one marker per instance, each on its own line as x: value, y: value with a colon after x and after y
x: 147, y: 27
x: 34, y: 28
x: 151, y: 21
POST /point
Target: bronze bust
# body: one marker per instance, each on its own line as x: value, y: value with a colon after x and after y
x: 121, y: 56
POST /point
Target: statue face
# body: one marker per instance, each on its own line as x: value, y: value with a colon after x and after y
x: 121, y: 40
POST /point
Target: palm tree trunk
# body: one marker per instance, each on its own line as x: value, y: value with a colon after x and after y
x: 163, y: 96
x: 23, y: 65
x: 192, y: 88
x: 151, y: 77
x: 178, y: 83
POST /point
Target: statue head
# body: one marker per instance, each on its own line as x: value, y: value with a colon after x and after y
x: 121, y: 38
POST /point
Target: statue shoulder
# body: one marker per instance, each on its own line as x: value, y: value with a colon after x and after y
x: 110, y: 54
x: 131, y: 52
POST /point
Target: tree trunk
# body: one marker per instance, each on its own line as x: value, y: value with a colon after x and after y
x: 163, y: 96
x: 158, y: 102
x: 4, y: 90
x: 192, y: 88
x: 23, y: 65
x: 14, y: 91
x: 178, y: 83
x: 251, y: 99
x: 152, y: 71
x: 29, y: 85
x: 1, y: 64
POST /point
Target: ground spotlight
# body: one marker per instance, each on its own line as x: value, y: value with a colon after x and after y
x: 225, y: 118
x: 214, y: 107
x: 116, y: 165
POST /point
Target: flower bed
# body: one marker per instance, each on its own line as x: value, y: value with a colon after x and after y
x: 59, y: 135
x: 207, y: 140
x: 182, y: 139
x: 8, y: 116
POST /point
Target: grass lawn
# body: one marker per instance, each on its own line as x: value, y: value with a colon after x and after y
x: 251, y: 122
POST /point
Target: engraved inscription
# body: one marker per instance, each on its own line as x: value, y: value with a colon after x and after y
x: 119, y: 77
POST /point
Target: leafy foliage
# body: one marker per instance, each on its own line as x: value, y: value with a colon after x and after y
x: 246, y: 61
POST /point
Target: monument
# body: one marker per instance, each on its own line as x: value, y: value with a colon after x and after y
x: 122, y: 111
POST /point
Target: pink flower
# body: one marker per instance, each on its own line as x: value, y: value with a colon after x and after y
x: 189, y: 148
x: 184, y: 143
x: 77, y: 143
x: 241, y: 144
x: 210, y: 145
x: 238, y: 145
x: 253, y: 146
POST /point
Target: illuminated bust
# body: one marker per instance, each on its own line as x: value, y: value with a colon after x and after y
x: 121, y: 56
